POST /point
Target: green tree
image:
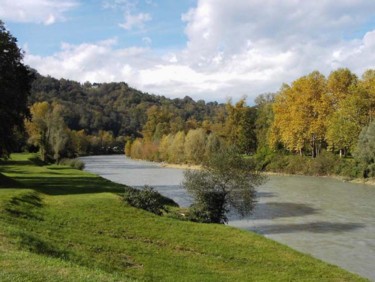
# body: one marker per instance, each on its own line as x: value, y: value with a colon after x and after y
x: 365, y: 151
x: 213, y: 145
x: 226, y: 182
x: 264, y: 118
x: 195, y: 143
x: 177, y: 148
x: 47, y: 130
x: 239, y: 128
x: 345, y: 124
x: 15, y: 85
x: 38, y: 128
x: 340, y: 84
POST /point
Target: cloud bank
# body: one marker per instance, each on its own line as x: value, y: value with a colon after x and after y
x: 233, y: 48
x: 35, y: 11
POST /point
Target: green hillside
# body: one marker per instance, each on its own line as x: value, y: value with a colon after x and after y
x: 60, y: 224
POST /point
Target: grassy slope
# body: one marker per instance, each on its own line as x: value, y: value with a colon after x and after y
x: 60, y: 224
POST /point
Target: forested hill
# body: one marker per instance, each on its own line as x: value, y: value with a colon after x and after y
x: 118, y: 108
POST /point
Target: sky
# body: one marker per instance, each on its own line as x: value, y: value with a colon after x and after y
x: 206, y: 49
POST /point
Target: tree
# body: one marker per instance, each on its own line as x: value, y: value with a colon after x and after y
x: 239, y: 128
x: 15, y: 85
x: 264, y: 118
x: 38, y: 129
x: 195, y: 143
x: 176, y: 149
x: 365, y: 151
x: 345, y: 124
x: 227, y: 182
x: 47, y: 130
x: 300, y: 113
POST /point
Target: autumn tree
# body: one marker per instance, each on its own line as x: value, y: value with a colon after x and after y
x: 177, y: 148
x: 340, y: 84
x: 15, y: 84
x: 47, y: 130
x: 300, y: 113
x: 195, y: 143
x: 38, y: 128
x: 367, y: 88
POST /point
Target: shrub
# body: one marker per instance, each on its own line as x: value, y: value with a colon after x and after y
x: 74, y: 163
x: 226, y: 183
x: 324, y: 164
x: 147, y: 199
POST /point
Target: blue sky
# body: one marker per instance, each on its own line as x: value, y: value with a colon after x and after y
x: 207, y: 49
x: 91, y: 21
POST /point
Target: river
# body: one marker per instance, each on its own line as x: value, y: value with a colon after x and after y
x: 326, y: 218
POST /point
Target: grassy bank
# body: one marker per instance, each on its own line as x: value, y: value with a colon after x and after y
x: 61, y: 224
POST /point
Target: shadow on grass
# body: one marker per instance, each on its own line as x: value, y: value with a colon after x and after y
x: 36, y: 245
x: 7, y: 182
x: 52, y: 185
x: 313, y: 227
x: 25, y: 205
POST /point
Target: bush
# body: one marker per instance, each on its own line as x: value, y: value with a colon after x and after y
x: 324, y: 164
x: 74, y: 163
x: 147, y: 199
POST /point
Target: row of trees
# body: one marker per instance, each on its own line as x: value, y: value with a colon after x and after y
x: 195, y: 142
x: 48, y: 132
x: 314, y: 112
x: 193, y: 147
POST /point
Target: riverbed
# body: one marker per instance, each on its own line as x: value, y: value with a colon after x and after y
x: 326, y: 218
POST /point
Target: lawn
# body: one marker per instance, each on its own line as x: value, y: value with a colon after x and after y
x: 61, y: 224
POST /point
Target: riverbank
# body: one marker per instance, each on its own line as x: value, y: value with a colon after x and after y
x: 369, y: 181
x: 61, y: 224
x: 180, y: 166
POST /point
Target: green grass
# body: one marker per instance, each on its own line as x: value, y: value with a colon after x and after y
x: 61, y: 224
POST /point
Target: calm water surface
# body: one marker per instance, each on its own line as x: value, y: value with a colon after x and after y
x: 329, y: 219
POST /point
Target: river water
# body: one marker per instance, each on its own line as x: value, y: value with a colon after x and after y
x: 326, y: 218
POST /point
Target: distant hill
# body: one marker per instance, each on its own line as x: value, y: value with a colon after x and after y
x: 115, y: 106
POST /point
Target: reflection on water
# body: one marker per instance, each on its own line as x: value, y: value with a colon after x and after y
x: 329, y: 219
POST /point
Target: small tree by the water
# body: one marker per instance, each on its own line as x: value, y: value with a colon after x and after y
x: 227, y: 182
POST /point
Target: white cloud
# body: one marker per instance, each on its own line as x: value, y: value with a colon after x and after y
x: 233, y: 48
x: 135, y: 21
x: 36, y: 11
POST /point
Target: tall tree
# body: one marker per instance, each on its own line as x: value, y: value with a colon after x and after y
x: 38, y: 128
x: 343, y: 124
x: 15, y: 84
x: 365, y: 151
x: 300, y: 113
x: 239, y: 128
x: 195, y: 143
x: 47, y: 130
x: 264, y: 118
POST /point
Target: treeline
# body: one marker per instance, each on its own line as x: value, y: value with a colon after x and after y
x: 316, y: 116
x: 327, y: 118
x: 233, y: 125
x: 70, y: 119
